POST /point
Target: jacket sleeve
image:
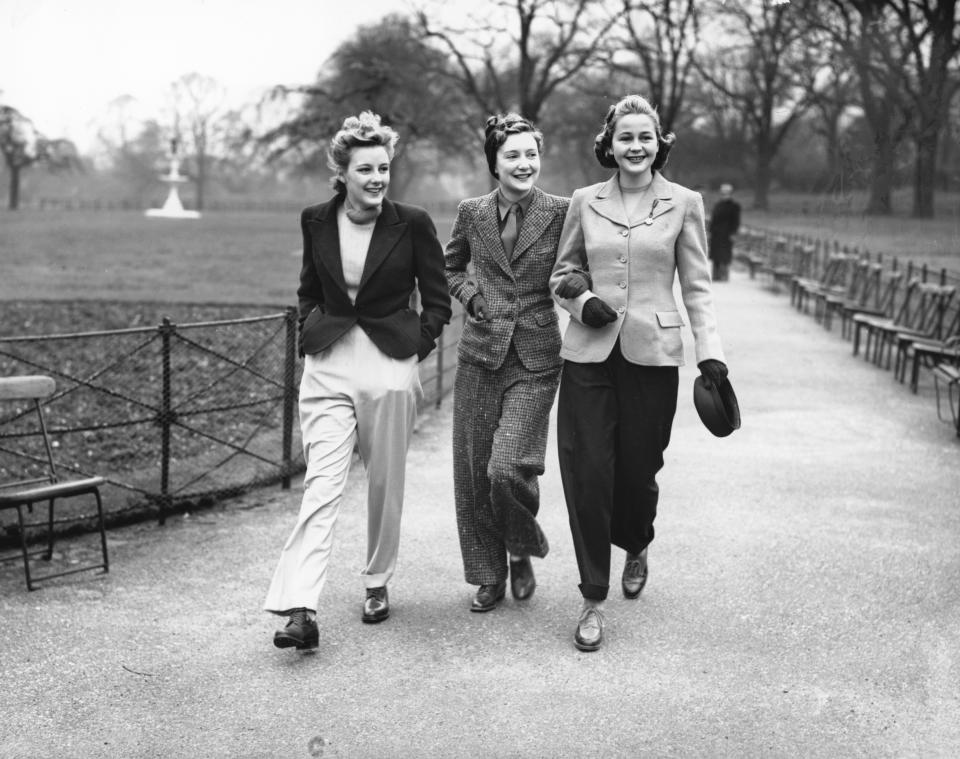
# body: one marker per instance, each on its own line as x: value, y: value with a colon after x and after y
x: 693, y: 271
x: 571, y: 256
x: 431, y: 283
x: 310, y: 291
x: 457, y: 257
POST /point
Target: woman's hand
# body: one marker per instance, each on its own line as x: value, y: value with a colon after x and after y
x: 596, y: 313
x: 479, y: 309
x: 713, y: 371
x: 576, y: 283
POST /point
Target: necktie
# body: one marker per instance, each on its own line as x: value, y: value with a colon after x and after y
x: 511, y: 228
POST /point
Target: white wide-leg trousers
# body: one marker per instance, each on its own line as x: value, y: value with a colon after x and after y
x: 351, y: 393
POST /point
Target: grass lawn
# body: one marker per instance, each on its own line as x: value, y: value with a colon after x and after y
x: 223, y: 257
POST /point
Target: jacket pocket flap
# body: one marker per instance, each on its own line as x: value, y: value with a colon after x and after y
x: 545, y: 318
x: 670, y: 319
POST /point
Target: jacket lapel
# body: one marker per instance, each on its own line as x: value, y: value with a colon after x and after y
x: 539, y: 215
x: 326, y: 241
x: 608, y: 202
x: 663, y: 192
x: 488, y: 225
x: 386, y: 233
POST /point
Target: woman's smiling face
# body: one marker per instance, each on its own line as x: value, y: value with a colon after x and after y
x: 635, y: 146
x: 367, y: 176
x: 518, y: 165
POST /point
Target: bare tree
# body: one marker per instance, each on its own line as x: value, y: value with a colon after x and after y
x: 657, y: 44
x: 23, y: 146
x: 385, y: 67
x: 862, y: 29
x: 767, y: 66
x: 930, y: 28
x: 198, y: 105
x: 513, y: 55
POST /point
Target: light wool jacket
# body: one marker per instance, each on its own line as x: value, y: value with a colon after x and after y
x: 633, y: 268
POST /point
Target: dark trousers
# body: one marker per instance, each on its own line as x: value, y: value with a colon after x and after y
x: 613, y: 425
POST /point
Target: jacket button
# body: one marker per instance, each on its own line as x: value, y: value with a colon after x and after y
x: 622, y: 285
x: 621, y: 309
x: 625, y: 233
x: 623, y: 259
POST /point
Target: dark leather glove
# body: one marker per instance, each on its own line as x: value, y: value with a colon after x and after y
x: 596, y: 313
x: 713, y: 371
x: 478, y: 308
x: 574, y: 284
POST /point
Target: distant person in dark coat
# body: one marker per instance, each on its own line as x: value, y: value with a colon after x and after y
x: 724, y: 223
x: 498, y: 263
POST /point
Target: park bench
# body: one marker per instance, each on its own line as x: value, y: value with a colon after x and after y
x: 27, y: 392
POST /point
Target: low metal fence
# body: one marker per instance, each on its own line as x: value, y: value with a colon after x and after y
x: 175, y: 416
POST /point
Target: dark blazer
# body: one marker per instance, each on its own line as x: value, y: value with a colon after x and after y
x: 515, y: 289
x: 404, y: 255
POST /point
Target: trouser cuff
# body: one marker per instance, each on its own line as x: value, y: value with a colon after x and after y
x: 594, y: 592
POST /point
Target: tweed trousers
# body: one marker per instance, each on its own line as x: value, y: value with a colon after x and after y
x: 501, y: 419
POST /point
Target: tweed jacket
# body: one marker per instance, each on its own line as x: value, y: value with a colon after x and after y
x: 633, y: 269
x: 516, y: 289
x: 404, y: 254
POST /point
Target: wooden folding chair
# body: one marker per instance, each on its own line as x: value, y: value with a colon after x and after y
x: 948, y: 372
x: 49, y: 487
x: 879, y: 301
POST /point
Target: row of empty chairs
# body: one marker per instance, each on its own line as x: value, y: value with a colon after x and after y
x: 904, y: 318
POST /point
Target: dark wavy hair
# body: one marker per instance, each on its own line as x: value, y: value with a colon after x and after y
x: 361, y: 131
x: 603, y: 143
x: 501, y: 126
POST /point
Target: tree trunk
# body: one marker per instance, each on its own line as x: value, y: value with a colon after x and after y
x: 880, y: 201
x: 13, y: 197
x: 761, y: 189
x: 925, y: 175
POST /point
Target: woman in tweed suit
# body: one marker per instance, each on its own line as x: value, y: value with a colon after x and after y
x: 508, y: 362
x: 624, y: 243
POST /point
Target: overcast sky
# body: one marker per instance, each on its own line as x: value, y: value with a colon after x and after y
x: 63, y: 61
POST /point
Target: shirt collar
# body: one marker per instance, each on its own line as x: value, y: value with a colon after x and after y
x: 503, y: 205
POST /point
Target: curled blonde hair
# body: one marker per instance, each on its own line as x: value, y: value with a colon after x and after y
x: 361, y: 131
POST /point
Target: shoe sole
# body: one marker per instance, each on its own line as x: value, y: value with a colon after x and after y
x: 587, y: 646
x: 286, y: 641
x: 372, y: 619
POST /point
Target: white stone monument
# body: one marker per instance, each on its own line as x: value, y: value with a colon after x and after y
x: 173, y: 208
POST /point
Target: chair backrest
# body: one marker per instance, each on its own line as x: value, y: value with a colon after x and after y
x: 31, y: 388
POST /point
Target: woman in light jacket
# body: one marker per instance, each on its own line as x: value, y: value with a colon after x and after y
x: 508, y: 362
x: 363, y: 258
x: 624, y: 242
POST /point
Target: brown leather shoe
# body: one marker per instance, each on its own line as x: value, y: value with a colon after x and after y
x: 522, y: 581
x: 376, y: 607
x: 300, y: 632
x: 488, y: 596
x: 634, y: 574
x: 589, y: 635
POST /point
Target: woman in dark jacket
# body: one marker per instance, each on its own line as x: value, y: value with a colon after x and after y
x: 363, y: 258
x: 508, y: 362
